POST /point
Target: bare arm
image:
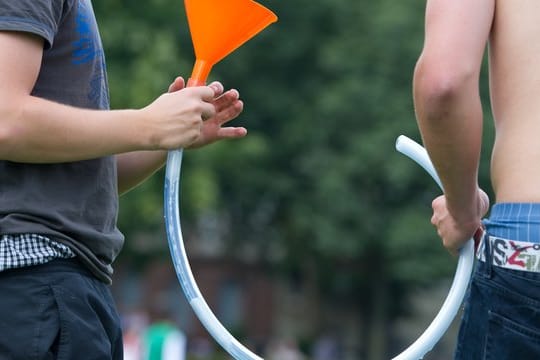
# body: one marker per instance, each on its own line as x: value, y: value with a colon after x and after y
x: 40, y: 131
x: 449, y: 110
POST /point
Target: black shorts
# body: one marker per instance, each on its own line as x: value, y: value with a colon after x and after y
x: 57, y: 311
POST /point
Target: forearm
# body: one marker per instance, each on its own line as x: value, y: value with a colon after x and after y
x: 135, y: 167
x: 35, y: 130
x: 450, y: 121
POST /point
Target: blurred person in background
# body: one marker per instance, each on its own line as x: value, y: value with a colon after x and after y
x: 326, y: 347
x: 284, y: 349
x: 501, y: 318
x: 64, y: 159
x: 134, y: 325
x: 162, y: 339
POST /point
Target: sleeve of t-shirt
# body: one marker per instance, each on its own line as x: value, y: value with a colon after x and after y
x: 39, y: 17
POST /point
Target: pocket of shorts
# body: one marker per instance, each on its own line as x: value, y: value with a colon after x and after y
x: 509, y: 339
x: 47, y: 330
x: 62, y: 343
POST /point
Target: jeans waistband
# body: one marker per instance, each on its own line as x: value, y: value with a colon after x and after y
x: 510, y: 254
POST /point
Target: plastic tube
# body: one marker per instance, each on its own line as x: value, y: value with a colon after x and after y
x: 416, y: 351
x: 182, y: 267
x: 451, y: 305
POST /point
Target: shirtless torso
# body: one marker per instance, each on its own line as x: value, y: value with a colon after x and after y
x: 515, y: 92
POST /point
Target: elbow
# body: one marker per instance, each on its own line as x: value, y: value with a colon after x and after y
x: 439, y: 84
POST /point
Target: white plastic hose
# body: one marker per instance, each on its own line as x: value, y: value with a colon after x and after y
x: 451, y: 305
x: 181, y: 264
x: 416, y: 351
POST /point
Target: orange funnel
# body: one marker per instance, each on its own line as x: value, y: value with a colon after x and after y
x: 218, y: 27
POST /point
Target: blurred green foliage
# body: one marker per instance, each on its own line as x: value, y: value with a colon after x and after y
x: 317, y: 182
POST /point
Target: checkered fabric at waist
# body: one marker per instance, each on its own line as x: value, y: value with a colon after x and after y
x: 22, y: 250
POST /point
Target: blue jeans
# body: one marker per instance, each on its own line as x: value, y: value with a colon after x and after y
x: 501, y: 319
x: 57, y: 311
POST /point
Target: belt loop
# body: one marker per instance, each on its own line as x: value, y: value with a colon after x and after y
x: 488, y: 254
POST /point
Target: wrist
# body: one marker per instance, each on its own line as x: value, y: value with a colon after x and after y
x: 469, y: 212
x: 143, y: 135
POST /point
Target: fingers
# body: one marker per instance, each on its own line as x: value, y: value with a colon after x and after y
x: 217, y: 87
x: 453, y: 251
x: 203, y: 96
x: 232, y: 132
x: 229, y: 113
x: 226, y: 99
x: 177, y: 84
x: 222, y: 109
x: 438, y: 206
x: 220, y: 98
x: 451, y: 233
x: 228, y: 107
x: 210, y: 92
x: 226, y: 102
x: 484, y: 202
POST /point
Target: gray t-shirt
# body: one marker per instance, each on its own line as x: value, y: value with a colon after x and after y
x: 73, y: 203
